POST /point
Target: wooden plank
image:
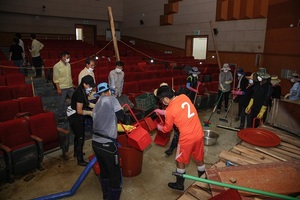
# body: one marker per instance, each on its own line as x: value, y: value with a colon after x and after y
x: 252, y: 154
x: 285, y: 144
x: 286, y: 153
x: 270, y: 153
x: 237, y: 159
x: 250, y: 146
x: 113, y: 33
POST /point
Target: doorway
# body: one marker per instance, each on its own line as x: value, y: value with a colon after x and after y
x: 196, y: 46
x: 86, y: 33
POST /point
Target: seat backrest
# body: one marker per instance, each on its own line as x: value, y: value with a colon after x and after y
x: 2, y: 80
x: 9, y: 110
x: 5, y: 93
x: 15, y: 79
x: 14, y: 133
x: 44, y: 126
x: 33, y: 105
x: 21, y: 91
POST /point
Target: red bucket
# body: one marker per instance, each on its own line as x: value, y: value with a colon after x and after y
x: 160, y: 137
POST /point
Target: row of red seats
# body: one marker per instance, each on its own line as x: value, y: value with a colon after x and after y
x: 15, y: 91
x: 24, y: 142
x: 11, y: 109
x: 12, y: 79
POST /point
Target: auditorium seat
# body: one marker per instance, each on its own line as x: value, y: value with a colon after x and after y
x: 15, y: 79
x: 24, y: 90
x: 9, y: 109
x: 5, y: 93
x: 32, y: 105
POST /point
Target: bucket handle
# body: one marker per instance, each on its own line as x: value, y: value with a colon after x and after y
x: 137, y: 122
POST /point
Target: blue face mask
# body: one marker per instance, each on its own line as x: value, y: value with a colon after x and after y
x: 251, y: 81
x: 87, y: 91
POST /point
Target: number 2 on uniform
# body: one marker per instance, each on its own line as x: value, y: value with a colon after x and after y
x: 189, y: 109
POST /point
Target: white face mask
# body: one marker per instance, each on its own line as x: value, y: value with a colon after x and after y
x: 67, y: 60
x: 251, y: 81
x: 88, y: 90
x: 195, y: 75
x: 293, y: 80
x: 239, y: 75
x: 225, y: 70
x: 259, y: 78
x: 90, y: 70
x: 118, y: 70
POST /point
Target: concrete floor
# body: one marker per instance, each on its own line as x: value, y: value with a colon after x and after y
x: 151, y: 184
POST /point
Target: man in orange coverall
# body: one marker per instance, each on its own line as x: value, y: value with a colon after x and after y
x: 181, y: 112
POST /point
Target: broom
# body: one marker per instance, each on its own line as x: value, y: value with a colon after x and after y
x: 207, y: 123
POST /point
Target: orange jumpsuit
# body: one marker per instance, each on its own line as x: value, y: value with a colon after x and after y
x: 183, y: 114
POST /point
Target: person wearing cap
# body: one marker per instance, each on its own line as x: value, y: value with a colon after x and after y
x: 244, y: 96
x: 77, y: 112
x: 174, y: 142
x: 275, y: 81
x: 62, y: 78
x: 295, y: 89
x: 225, y: 79
x: 192, y: 83
x: 260, y: 99
x: 182, y: 112
x: 116, y: 79
x: 107, y: 112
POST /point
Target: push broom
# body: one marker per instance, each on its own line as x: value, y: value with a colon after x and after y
x: 207, y: 123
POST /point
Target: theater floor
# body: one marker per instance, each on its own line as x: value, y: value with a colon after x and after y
x: 150, y: 184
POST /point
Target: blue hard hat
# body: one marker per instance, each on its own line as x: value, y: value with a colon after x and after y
x: 102, y: 87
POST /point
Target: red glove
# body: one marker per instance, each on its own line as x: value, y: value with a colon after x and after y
x: 159, y: 127
x: 199, y: 83
x: 160, y: 112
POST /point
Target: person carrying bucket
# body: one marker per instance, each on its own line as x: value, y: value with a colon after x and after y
x: 182, y: 112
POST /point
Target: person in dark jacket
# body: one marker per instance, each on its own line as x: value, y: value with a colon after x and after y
x: 17, y: 55
x: 260, y: 99
x: 244, y: 95
x: 192, y: 83
x: 79, y: 109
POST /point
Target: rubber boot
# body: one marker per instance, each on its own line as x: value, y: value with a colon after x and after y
x: 80, y: 160
x: 104, y: 186
x: 178, y: 185
x: 114, y: 194
x: 172, y: 146
x: 200, y: 173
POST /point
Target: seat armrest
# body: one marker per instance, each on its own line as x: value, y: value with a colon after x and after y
x: 22, y: 114
x: 39, y: 143
x: 5, y: 148
x: 36, y: 138
x: 63, y: 131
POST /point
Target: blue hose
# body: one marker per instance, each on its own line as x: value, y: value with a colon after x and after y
x: 75, y: 186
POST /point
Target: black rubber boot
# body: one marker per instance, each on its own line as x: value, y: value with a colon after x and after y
x: 80, y: 160
x: 178, y: 185
x: 172, y: 147
x: 114, y: 194
x: 200, y: 173
x: 104, y: 186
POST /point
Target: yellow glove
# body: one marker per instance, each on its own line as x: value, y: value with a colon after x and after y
x: 222, y: 87
x: 128, y: 128
x: 91, y: 105
x: 87, y: 112
x: 261, y: 112
x: 247, y: 110
x: 228, y: 82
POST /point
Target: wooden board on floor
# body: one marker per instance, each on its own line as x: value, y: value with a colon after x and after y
x: 271, y: 177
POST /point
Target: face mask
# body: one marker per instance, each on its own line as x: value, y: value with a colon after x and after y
x: 292, y: 80
x: 251, y: 81
x: 225, y: 70
x: 67, y: 60
x: 164, y: 102
x: 239, y: 75
x: 90, y: 70
x: 259, y: 78
x: 88, y: 90
x: 195, y: 75
x: 118, y: 70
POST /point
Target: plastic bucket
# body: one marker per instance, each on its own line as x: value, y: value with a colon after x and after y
x: 132, y: 159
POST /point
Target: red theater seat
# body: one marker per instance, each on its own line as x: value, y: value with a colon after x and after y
x: 32, y: 105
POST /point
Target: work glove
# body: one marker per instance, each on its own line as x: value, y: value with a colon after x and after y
x: 222, y: 87
x: 128, y: 128
x: 248, y: 109
x: 160, y: 112
x: 287, y: 96
x: 87, y: 112
x: 228, y: 82
x: 261, y: 112
x: 91, y: 105
x: 237, y: 92
x: 159, y: 127
x: 193, y: 89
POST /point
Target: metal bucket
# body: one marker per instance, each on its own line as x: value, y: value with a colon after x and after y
x: 210, y: 138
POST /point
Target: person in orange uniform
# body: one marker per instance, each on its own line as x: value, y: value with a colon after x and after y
x: 182, y: 112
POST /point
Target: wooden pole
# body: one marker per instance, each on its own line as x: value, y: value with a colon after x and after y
x: 113, y: 33
x: 215, y: 45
